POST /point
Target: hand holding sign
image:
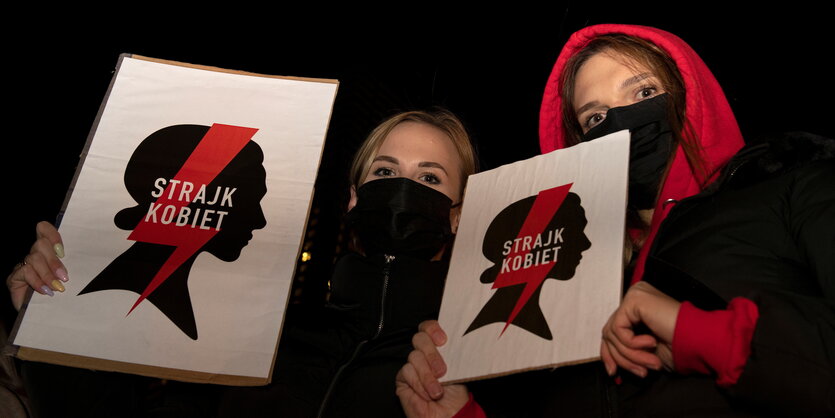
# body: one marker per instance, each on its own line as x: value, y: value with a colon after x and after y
x: 418, y: 388
x: 41, y: 269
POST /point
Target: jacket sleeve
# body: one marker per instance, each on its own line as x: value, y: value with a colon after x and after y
x: 775, y: 348
x: 715, y: 342
x: 470, y: 410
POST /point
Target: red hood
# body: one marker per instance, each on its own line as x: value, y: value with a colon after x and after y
x: 707, y: 112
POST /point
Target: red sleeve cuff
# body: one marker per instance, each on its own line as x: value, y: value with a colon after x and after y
x: 470, y: 410
x: 715, y: 342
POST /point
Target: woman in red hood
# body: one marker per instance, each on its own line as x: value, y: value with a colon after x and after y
x: 731, y: 310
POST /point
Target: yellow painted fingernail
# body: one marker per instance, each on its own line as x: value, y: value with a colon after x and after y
x: 59, y: 250
x: 57, y: 285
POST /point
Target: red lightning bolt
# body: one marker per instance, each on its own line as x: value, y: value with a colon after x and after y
x: 214, y: 152
x: 542, y: 212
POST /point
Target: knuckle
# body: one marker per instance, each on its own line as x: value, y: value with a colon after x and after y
x: 41, y: 245
x: 405, y: 372
x: 45, y: 228
x: 416, y: 339
x: 425, y: 324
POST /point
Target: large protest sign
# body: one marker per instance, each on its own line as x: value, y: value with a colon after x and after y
x: 538, y: 260
x: 183, y: 224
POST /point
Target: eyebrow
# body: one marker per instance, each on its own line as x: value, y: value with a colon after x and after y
x: 393, y: 160
x: 434, y: 165
x: 625, y: 84
x: 634, y: 80
x: 387, y: 158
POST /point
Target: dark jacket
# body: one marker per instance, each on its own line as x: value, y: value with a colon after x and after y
x: 765, y: 231
x: 341, y: 360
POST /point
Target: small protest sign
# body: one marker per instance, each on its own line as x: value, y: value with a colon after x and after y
x: 538, y: 261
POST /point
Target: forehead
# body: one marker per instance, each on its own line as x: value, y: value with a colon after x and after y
x: 603, y: 73
x: 415, y: 141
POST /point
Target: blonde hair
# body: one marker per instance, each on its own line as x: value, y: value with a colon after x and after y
x: 441, y: 119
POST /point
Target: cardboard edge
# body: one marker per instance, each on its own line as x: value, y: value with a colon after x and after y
x: 72, y: 360
x: 494, y: 375
x: 228, y: 71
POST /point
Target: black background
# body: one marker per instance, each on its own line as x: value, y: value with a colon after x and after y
x: 487, y: 65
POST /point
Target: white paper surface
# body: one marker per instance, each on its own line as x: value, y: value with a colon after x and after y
x: 576, y: 307
x: 238, y: 305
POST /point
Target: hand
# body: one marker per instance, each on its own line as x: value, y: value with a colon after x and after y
x: 417, y: 383
x: 643, y: 304
x: 41, y: 269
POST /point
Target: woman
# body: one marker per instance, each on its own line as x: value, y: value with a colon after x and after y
x: 407, y: 181
x: 733, y: 276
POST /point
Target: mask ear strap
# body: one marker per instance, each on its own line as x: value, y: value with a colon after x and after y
x: 457, y: 205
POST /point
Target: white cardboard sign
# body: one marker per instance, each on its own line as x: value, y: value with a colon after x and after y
x: 538, y: 261
x: 184, y: 222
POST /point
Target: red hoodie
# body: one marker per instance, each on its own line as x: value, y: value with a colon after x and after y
x: 704, y: 342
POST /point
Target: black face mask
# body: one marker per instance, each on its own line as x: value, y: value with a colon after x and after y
x: 400, y: 216
x: 650, y: 146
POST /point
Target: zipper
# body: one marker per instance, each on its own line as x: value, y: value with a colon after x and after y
x: 386, y: 274
x: 735, y: 169
x: 335, y: 379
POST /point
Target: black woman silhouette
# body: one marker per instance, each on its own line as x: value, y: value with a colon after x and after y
x: 537, y: 238
x: 197, y: 188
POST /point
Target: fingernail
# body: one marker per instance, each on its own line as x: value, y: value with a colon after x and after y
x: 47, y: 291
x: 610, y: 370
x: 59, y: 250
x: 57, y: 286
x: 62, y: 274
x: 439, y: 337
x: 639, y: 372
x: 435, y: 390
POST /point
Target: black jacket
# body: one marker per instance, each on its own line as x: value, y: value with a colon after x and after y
x: 765, y: 231
x: 341, y: 360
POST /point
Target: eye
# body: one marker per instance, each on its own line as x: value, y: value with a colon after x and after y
x: 646, y: 92
x: 430, y: 178
x: 384, y: 172
x: 594, y: 120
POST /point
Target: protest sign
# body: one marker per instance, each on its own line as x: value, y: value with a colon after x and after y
x: 538, y: 261
x: 183, y: 224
